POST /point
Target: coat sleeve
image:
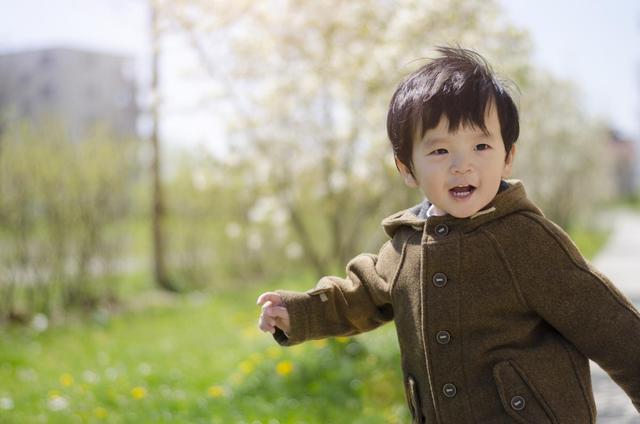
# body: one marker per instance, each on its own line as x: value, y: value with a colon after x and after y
x: 580, y: 303
x: 343, y: 306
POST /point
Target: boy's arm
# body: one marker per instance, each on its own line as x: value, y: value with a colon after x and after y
x: 582, y: 304
x: 343, y: 306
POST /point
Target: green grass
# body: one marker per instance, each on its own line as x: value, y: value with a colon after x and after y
x: 626, y: 202
x: 198, y: 358
x: 589, y: 241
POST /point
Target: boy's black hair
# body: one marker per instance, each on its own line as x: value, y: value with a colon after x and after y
x: 460, y: 85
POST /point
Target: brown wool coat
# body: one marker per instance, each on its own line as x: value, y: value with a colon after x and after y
x: 496, y: 316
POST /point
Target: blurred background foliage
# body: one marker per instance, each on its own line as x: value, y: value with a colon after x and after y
x: 309, y: 84
x: 308, y: 176
x: 62, y: 210
x: 309, y: 172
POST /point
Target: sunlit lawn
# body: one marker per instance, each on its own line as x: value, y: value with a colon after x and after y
x: 199, y: 358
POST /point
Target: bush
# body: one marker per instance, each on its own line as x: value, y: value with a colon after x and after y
x: 58, y: 201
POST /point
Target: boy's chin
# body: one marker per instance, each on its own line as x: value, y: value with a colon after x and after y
x: 437, y: 211
x: 461, y: 215
x: 467, y: 213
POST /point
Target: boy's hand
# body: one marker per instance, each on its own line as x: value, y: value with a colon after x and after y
x: 274, y: 314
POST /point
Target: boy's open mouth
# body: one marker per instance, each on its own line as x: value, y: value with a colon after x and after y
x: 460, y: 192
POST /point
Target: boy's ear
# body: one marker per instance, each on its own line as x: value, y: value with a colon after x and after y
x: 408, y: 177
x: 508, y: 162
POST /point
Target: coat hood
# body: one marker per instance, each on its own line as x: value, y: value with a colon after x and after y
x: 512, y: 199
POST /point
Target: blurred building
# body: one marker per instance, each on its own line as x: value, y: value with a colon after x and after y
x: 625, y: 162
x: 79, y: 88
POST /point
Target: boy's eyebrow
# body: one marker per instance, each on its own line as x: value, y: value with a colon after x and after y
x: 443, y: 138
x: 433, y: 140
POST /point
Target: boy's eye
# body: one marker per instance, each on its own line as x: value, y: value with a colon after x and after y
x: 439, y: 152
x: 482, y: 146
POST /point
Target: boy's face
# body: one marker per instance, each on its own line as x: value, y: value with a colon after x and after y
x: 460, y: 172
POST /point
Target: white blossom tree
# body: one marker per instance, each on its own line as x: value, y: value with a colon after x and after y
x: 309, y: 84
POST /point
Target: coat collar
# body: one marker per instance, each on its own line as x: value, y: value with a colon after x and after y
x: 508, y: 201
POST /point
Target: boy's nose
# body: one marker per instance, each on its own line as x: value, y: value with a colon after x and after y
x: 461, y: 165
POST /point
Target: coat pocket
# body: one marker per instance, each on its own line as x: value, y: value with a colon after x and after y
x: 413, y: 400
x: 519, y: 397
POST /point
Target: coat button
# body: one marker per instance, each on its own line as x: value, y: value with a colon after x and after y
x: 442, y: 230
x: 449, y: 390
x: 443, y: 337
x: 517, y: 403
x: 439, y: 279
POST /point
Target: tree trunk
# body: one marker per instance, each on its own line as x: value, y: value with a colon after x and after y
x: 160, y: 275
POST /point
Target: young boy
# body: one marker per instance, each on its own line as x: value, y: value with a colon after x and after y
x: 496, y: 311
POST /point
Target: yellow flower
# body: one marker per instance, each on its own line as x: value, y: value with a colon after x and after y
x: 274, y: 352
x: 255, y: 358
x: 66, y: 379
x: 138, y: 392
x: 342, y: 339
x: 100, y: 412
x: 53, y: 394
x: 246, y: 367
x: 319, y: 343
x: 215, y: 391
x: 250, y: 332
x: 284, y: 368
